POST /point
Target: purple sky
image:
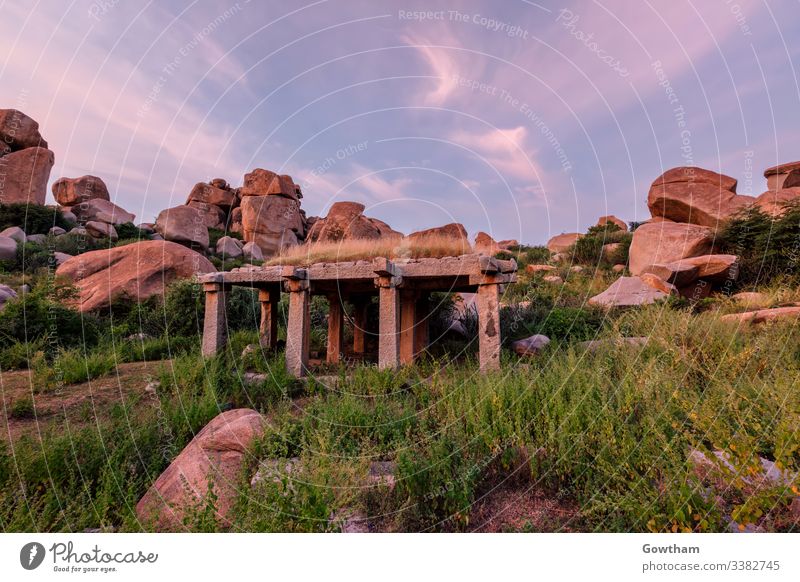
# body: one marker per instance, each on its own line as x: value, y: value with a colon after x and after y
x: 518, y: 118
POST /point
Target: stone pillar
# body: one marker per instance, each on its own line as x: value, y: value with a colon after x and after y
x: 360, y: 325
x: 335, y: 329
x: 268, y: 329
x: 408, y: 309
x: 299, y: 325
x: 488, y: 302
x: 389, y: 326
x: 422, y: 324
x: 215, y: 324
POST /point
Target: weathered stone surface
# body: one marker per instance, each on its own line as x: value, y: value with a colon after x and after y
x: 24, y: 175
x: 485, y: 244
x: 18, y: 132
x: 252, y: 252
x: 229, y: 247
x: 792, y: 179
x: 613, y: 220
x: 101, y: 230
x: 39, y: 239
x: 665, y: 242
x: 610, y: 249
x: 6, y: 293
x: 562, y: 242
x: 530, y: 346
x: 261, y: 182
x: 777, y: 176
x: 678, y: 273
x: 453, y: 230
x: 751, y: 299
x: 695, y: 196
x: 346, y: 221
x: 183, y: 224
x: 773, y: 202
x: 136, y: 272
x: 56, y: 231
x: 553, y: 279
x: 213, y: 216
x: 61, y: 258
x: 16, y: 233
x: 712, y: 268
x: 8, y: 249
x: 215, y: 457
x: 697, y: 175
x: 658, y: 283
x: 618, y: 268
x: 539, y: 268
x: 210, y: 194
x: 628, y: 292
x: 72, y: 191
x: 764, y: 315
x: 101, y: 210
x: 272, y: 222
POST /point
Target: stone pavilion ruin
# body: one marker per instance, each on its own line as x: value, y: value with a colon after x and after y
x: 402, y: 286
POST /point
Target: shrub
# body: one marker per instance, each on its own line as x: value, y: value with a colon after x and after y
x: 32, y: 218
x: 767, y: 247
x: 589, y: 248
x: 127, y: 231
x: 41, y: 314
x: 22, y: 408
x: 18, y: 355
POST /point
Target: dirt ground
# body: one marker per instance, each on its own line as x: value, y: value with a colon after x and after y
x: 523, y: 508
x: 81, y: 404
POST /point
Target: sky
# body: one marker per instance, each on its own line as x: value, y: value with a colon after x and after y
x: 517, y: 118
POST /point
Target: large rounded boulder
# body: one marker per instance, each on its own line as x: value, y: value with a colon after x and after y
x: 132, y: 272
x: 659, y: 243
x: 696, y: 196
x: 346, y: 221
x: 72, y: 191
x: 24, y: 175
x: 183, y: 224
x: 213, y: 459
x: 272, y: 222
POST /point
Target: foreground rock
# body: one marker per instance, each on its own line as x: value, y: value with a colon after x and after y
x: 212, y: 459
x: 628, y: 292
x: 696, y: 196
x: 346, y: 221
x: 485, y: 244
x: 764, y: 315
x: 6, y: 293
x: 562, y: 242
x: 183, y: 224
x: 72, y: 191
x: 133, y: 272
x: 530, y: 346
x: 8, y: 249
x: 217, y: 193
x: 24, y: 176
x: 660, y: 243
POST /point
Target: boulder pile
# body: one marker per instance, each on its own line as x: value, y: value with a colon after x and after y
x: 25, y: 161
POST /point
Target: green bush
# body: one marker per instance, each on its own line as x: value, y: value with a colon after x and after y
x: 41, y: 314
x: 19, y: 355
x: 588, y: 249
x: 32, y: 218
x: 22, y: 408
x: 767, y: 246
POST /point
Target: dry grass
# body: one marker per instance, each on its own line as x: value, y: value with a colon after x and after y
x: 354, y: 250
